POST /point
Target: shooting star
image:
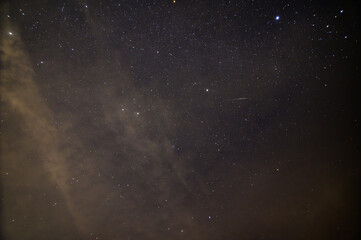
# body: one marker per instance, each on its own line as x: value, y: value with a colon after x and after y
x: 237, y: 99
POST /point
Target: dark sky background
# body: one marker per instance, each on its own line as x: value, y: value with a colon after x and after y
x: 197, y: 120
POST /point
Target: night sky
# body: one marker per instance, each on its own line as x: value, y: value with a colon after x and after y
x: 195, y: 120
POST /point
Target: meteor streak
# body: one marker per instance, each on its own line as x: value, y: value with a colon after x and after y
x: 237, y: 99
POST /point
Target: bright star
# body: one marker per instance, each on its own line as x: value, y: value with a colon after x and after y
x: 277, y: 18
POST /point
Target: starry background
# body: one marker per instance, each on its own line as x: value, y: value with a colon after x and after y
x: 180, y: 119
